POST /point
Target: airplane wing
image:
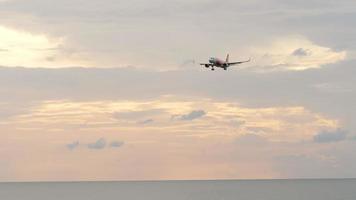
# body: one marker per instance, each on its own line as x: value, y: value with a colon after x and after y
x: 206, y: 64
x: 237, y: 63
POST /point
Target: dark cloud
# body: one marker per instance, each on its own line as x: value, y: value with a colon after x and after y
x: 73, y: 145
x: 330, y: 136
x: 144, y: 122
x: 196, y: 114
x: 99, y: 144
x: 116, y: 144
x: 301, y: 52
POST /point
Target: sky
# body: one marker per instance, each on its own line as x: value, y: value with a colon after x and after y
x: 113, y: 90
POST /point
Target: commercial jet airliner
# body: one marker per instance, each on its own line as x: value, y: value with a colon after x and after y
x: 216, y: 62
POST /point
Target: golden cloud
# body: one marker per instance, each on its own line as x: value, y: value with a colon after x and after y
x: 24, y: 49
x: 221, y: 118
x: 294, y: 53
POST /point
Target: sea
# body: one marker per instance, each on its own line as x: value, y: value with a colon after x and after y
x: 333, y: 189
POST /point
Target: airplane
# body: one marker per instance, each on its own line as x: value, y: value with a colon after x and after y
x: 216, y: 62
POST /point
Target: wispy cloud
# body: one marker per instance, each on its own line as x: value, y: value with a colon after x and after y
x: 144, y: 122
x: 196, y: 114
x: 99, y: 144
x: 21, y: 48
x: 280, y: 123
x: 136, y: 113
x: 301, y: 52
x: 330, y: 136
x: 293, y: 53
x: 73, y: 145
x: 116, y: 144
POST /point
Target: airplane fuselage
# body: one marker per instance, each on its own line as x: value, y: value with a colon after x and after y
x: 217, y: 62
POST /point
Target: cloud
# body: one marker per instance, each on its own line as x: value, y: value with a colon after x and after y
x: 196, y: 114
x: 237, y: 123
x: 20, y: 48
x: 301, y: 52
x: 73, y: 145
x: 269, y: 19
x: 14, y: 109
x: 330, y: 136
x: 144, y: 122
x: 99, y: 144
x: 93, y: 94
x: 116, y: 144
x: 293, y: 53
x: 283, y: 123
x: 134, y: 115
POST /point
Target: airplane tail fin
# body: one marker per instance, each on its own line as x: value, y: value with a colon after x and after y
x: 227, y: 58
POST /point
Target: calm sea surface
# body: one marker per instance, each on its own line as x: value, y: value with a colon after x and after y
x: 181, y: 190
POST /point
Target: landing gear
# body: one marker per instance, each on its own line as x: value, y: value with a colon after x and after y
x: 225, y: 68
x: 212, y: 69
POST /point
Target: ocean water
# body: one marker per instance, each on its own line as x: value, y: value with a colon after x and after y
x: 182, y: 190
